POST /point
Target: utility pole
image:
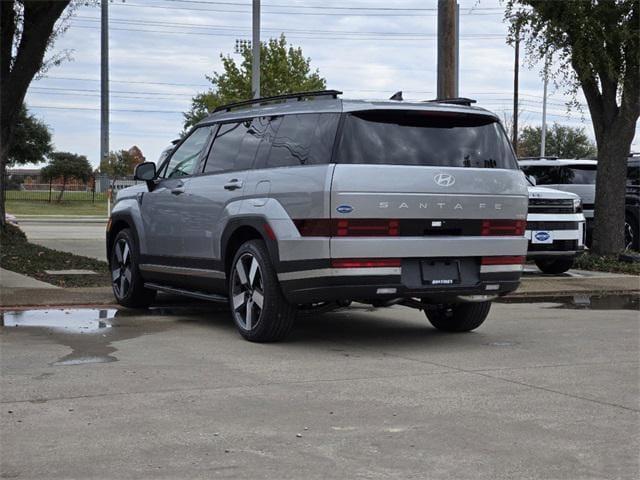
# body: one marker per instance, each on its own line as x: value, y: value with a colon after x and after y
x: 447, y: 49
x: 543, y: 135
x: 255, y: 46
x: 516, y: 73
x: 104, y: 81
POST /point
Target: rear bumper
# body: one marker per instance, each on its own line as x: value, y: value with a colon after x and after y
x: 555, y: 253
x: 330, y: 284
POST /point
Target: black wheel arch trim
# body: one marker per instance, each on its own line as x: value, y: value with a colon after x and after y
x: 257, y: 223
x: 111, y: 234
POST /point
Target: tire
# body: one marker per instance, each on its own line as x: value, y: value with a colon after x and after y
x: 554, y: 265
x: 126, y: 280
x: 631, y: 233
x: 459, y: 317
x: 259, y: 309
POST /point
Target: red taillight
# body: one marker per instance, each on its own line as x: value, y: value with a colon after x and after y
x: 503, y: 260
x: 366, y: 228
x: 314, y: 227
x: 269, y: 231
x: 348, y: 228
x: 492, y: 228
x: 365, y: 262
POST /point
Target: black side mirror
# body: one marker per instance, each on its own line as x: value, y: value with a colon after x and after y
x: 146, y: 171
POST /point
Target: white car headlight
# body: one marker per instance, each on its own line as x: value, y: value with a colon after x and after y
x: 577, y: 205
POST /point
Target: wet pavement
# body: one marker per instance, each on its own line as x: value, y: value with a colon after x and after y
x: 541, y: 390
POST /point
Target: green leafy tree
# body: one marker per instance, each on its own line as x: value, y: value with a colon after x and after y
x: 596, y: 43
x: 283, y: 69
x: 65, y: 166
x: 561, y: 141
x: 27, y: 29
x: 118, y: 164
x: 31, y: 140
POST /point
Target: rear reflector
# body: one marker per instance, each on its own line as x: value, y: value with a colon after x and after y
x: 502, y: 260
x: 367, y: 228
x: 365, y: 262
x: 492, y: 228
x: 348, y: 228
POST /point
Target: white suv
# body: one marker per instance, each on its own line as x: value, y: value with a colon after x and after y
x: 555, y: 229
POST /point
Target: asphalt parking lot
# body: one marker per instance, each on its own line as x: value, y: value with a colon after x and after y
x: 539, y: 391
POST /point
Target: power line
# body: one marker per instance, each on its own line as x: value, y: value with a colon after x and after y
x: 329, y: 7
x: 386, y: 14
x: 321, y: 7
x: 64, y: 90
x: 424, y: 37
x: 145, y: 82
x: 57, y: 107
x: 244, y: 28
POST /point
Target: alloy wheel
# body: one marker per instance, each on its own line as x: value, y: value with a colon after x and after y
x: 247, y: 291
x: 121, y: 268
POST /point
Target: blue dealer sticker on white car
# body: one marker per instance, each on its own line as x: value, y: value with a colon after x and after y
x: 541, y: 237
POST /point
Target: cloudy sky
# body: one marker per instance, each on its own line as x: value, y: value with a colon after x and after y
x: 161, y: 50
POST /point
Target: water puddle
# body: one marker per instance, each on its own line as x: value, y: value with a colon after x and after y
x: 78, y: 320
x: 586, y: 302
x: 88, y: 332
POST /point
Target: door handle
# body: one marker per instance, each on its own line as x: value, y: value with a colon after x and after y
x: 233, y: 184
x: 177, y: 190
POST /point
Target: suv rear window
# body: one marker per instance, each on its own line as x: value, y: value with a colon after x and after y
x: 562, y: 175
x: 302, y: 139
x: 424, y: 138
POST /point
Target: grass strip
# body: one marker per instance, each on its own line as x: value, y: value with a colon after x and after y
x: 612, y: 264
x: 18, y: 255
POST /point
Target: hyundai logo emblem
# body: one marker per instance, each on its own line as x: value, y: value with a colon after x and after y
x: 444, y: 179
x: 542, y: 236
x: 344, y: 209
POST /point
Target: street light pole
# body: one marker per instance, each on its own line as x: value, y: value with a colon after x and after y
x: 543, y: 135
x: 104, y: 81
x: 516, y: 74
x: 255, y: 46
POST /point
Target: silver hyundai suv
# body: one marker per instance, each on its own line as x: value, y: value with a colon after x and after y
x: 302, y: 202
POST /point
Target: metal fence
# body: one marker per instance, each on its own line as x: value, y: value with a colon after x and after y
x: 28, y: 186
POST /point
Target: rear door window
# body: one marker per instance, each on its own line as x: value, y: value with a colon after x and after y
x: 424, y: 138
x: 562, y: 174
x: 236, y: 145
x: 303, y: 139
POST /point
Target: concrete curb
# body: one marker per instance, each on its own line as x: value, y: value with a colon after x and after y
x: 29, y: 219
x: 24, y: 298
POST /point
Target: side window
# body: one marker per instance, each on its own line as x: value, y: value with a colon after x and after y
x: 303, y: 139
x: 185, y: 158
x: 235, y: 145
x: 545, y: 175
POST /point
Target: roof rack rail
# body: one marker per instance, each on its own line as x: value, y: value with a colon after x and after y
x: 259, y: 101
x: 455, y: 101
x: 546, y: 157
